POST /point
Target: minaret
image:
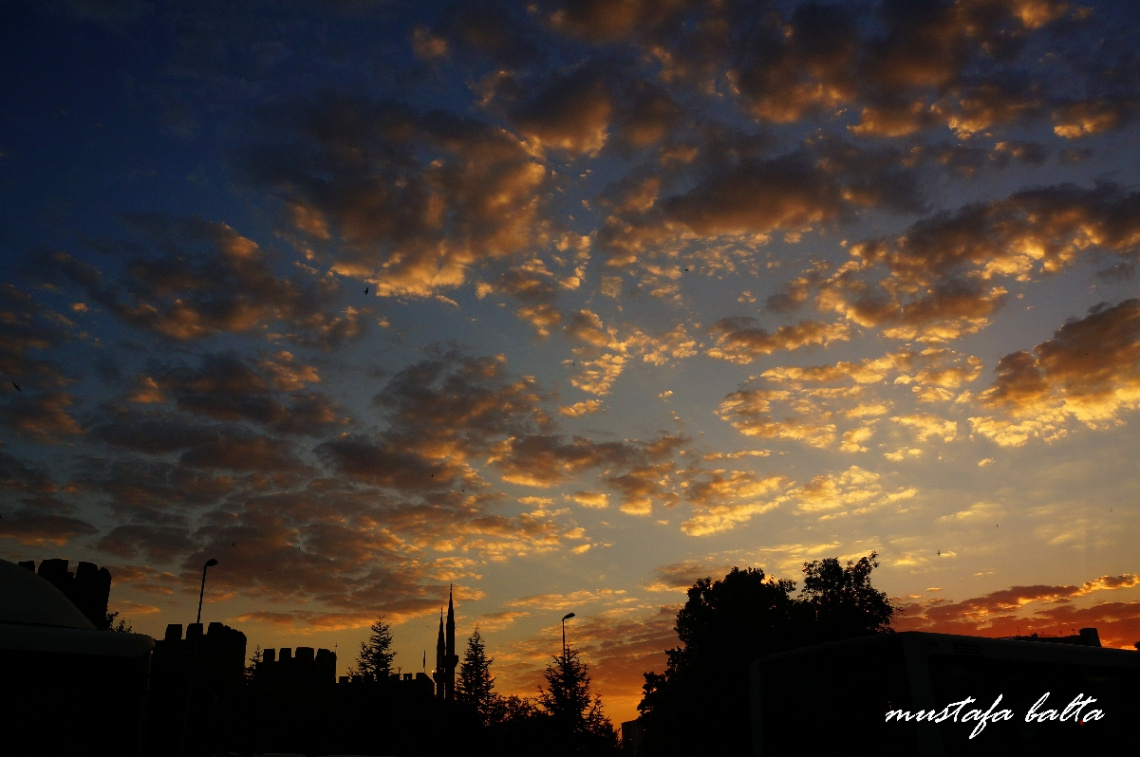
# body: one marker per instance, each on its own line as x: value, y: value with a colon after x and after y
x: 452, y: 659
x: 440, y: 655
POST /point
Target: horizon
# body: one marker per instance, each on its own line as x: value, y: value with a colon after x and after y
x: 570, y: 305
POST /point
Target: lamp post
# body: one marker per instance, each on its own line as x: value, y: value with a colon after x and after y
x: 202, y: 593
x: 565, y: 617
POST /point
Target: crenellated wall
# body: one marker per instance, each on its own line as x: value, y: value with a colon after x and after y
x: 307, y: 667
x: 88, y: 587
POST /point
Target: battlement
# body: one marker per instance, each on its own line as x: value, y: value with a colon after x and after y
x: 308, y: 667
x: 217, y: 655
x: 405, y: 685
x: 88, y: 587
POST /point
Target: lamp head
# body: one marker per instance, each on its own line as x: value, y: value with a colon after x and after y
x: 567, y: 616
x: 211, y: 563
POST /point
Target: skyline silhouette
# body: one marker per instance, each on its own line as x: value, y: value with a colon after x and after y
x: 570, y: 305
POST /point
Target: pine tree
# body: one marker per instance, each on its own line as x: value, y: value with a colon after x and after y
x: 577, y: 715
x: 475, y: 686
x: 250, y: 673
x: 375, y: 660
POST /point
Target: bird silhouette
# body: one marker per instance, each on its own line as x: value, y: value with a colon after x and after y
x: 366, y: 290
x: 18, y: 389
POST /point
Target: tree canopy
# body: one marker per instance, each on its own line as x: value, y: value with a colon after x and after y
x: 576, y: 716
x: 375, y: 660
x: 724, y: 625
x: 475, y: 685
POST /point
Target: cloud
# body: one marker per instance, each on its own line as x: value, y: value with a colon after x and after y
x: 271, y: 392
x: 739, y: 340
x: 545, y: 460
x: 855, y: 491
x: 453, y: 404
x: 643, y: 486
x: 571, y: 112
x: 536, y: 287
x: 389, y: 465
x: 723, y: 499
x: 1020, y: 237
x: 782, y: 193
x: 750, y: 411
x: 1004, y: 612
x: 1085, y: 118
x: 601, y: 21
x: 44, y: 416
x: 28, y: 328
x: 33, y: 527
x: 415, y: 200
x: 193, y: 278
x: 598, y: 376
x: 595, y: 500
x: 159, y: 544
x: 680, y: 576
x: 641, y: 472
x: 579, y: 409
x: 553, y: 602
x: 1086, y: 372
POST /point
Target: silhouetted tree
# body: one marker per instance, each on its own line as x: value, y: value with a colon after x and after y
x: 251, y: 666
x: 577, y: 720
x: 475, y: 685
x: 376, y: 655
x: 513, y: 708
x: 725, y: 625
x: 841, y: 602
x: 121, y: 626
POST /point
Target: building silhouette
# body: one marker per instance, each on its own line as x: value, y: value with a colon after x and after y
x: 307, y: 668
x: 88, y: 587
x: 69, y: 687
x: 76, y: 689
x: 196, y: 690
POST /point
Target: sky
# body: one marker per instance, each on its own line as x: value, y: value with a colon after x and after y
x: 568, y: 305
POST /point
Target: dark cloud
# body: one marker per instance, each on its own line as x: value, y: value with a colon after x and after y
x: 28, y: 328
x: 271, y: 392
x: 496, y: 31
x: 635, y: 469
x: 572, y: 112
x: 789, y: 69
x: 415, y: 200
x: 389, y: 465
x: 31, y: 527
x: 1091, y: 365
x: 151, y: 490
x: 154, y: 543
x: 780, y: 194
x: 44, y: 416
x: 18, y: 476
x: 192, y: 278
x: 1029, y: 233
x: 238, y: 451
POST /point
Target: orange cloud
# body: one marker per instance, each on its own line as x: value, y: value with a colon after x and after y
x: 1087, y: 372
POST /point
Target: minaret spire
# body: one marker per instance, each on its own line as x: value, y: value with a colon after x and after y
x: 440, y: 660
x: 451, y: 659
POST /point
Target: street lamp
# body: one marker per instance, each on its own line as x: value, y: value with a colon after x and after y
x: 565, y: 617
x: 202, y: 593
